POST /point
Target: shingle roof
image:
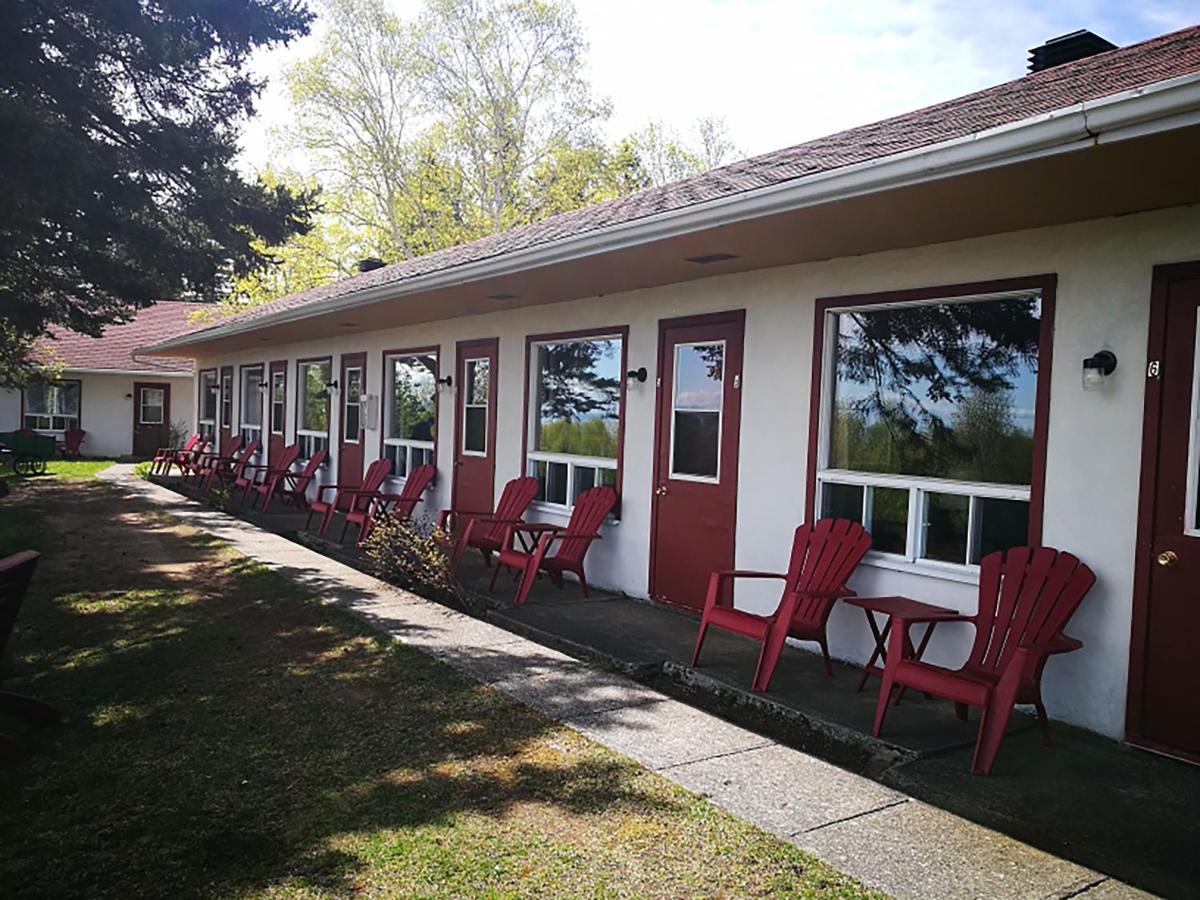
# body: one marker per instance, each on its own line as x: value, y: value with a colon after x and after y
x: 1105, y: 74
x: 115, y: 348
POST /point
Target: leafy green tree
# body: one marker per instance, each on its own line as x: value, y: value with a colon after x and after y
x: 118, y: 129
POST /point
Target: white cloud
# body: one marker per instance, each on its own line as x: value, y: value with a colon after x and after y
x: 783, y: 71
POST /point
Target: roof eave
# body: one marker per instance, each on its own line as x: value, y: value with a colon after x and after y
x: 1153, y: 108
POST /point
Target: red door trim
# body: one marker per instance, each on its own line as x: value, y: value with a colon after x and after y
x: 1160, y: 283
x: 436, y: 350
x: 733, y: 317
x: 530, y: 340
x: 459, y: 346
x: 1041, y: 415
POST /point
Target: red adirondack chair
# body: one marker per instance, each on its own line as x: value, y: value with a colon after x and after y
x: 165, y: 457
x: 16, y: 572
x: 212, y: 459
x: 824, y: 555
x: 384, y: 505
x: 350, y: 498
x: 189, y: 463
x: 486, y: 533
x: 292, y: 487
x: 263, y: 479
x: 230, y: 468
x: 591, y: 507
x: 1026, y: 597
x: 72, y: 438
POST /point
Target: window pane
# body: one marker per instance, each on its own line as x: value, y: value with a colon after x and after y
x: 351, y: 420
x: 37, y: 399
x: 412, y: 397
x: 889, y: 520
x: 208, y: 396
x: 226, y: 400
x: 478, y: 385
x: 314, y: 412
x: 556, y: 483
x: 608, y: 478
x: 475, y: 436
x: 699, y: 376
x: 946, y: 522
x: 694, y: 451
x: 278, y: 405
x: 151, y: 412
x: 585, y: 479
x: 251, y: 411
x: 578, y: 397
x: 944, y: 390
x: 1000, y: 524
x: 842, y: 501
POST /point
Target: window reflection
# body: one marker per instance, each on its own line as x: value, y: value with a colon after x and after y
x: 696, y: 418
x: 411, y: 414
x: 578, y: 397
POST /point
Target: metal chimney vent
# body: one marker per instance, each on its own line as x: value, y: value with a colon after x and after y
x: 1067, y: 48
x: 370, y: 264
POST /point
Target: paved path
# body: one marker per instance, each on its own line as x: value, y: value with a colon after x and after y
x: 886, y: 839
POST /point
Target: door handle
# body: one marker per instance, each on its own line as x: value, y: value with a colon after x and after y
x: 661, y: 491
x: 1167, y: 558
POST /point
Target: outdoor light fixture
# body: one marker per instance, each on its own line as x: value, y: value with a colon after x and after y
x: 447, y: 381
x: 262, y: 387
x: 639, y: 375
x: 331, y: 386
x: 1097, y: 368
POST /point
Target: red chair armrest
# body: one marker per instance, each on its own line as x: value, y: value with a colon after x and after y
x: 828, y: 595
x: 535, y: 526
x: 747, y: 573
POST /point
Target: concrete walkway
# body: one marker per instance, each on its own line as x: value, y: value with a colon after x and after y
x: 885, y: 838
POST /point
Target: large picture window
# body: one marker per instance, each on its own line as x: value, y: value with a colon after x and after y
x: 575, y: 415
x: 207, y: 418
x: 410, y: 425
x: 312, y: 430
x: 52, y: 405
x: 250, y: 406
x: 928, y: 424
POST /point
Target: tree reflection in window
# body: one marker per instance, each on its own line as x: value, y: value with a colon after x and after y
x: 943, y: 390
x: 579, y: 397
x: 411, y: 416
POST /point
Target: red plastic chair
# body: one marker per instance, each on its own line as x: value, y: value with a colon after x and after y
x: 400, y: 505
x: 354, y: 497
x: 16, y: 572
x: 591, y: 507
x: 165, y: 457
x: 292, y: 487
x: 824, y: 555
x: 1026, y: 598
x: 72, y: 438
x: 486, y: 533
x: 189, y: 463
x: 231, y: 468
x: 263, y: 479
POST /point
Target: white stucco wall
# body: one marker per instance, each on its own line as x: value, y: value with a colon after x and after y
x: 1104, y: 272
x: 106, y: 409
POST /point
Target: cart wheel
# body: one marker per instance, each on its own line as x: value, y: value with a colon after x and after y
x: 21, y: 465
x: 37, y: 466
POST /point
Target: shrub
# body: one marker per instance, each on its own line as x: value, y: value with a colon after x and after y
x: 414, y: 554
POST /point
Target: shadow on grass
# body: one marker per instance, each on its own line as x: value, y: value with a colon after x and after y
x: 221, y: 736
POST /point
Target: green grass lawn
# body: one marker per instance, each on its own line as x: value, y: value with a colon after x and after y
x: 63, y: 468
x: 226, y: 735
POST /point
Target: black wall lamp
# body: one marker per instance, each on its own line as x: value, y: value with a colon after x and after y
x: 447, y: 381
x: 639, y: 375
x: 331, y: 385
x: 1097, y: 367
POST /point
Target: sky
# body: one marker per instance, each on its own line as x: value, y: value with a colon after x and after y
x: 784, y: 71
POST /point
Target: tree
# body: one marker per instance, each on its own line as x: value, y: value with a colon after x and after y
x: 662, y: 155
x: 118, y: 129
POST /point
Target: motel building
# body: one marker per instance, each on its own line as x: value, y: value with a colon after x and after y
x: 970, y: 327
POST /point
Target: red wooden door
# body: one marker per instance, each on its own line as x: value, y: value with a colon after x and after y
x: 475, y: 427
x: 225, y: 405
x: 276, y: 410
x: 352, y: 386
x: 1164, y: 712
x: 694, y: 505
x: 151, y: 417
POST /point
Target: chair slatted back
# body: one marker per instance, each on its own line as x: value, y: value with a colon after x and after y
x: 16, y: 572
x: 514, y: 500
x: 287, y: 458
x: 72, y: 438
x: 824, y: 554
x: 239, y: 464
x: 416, y: 482
x: 377, y: 473
x: 586, y: 518
x: 231, y: 446
x: 1026, y: 596
x: 310, y: 469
